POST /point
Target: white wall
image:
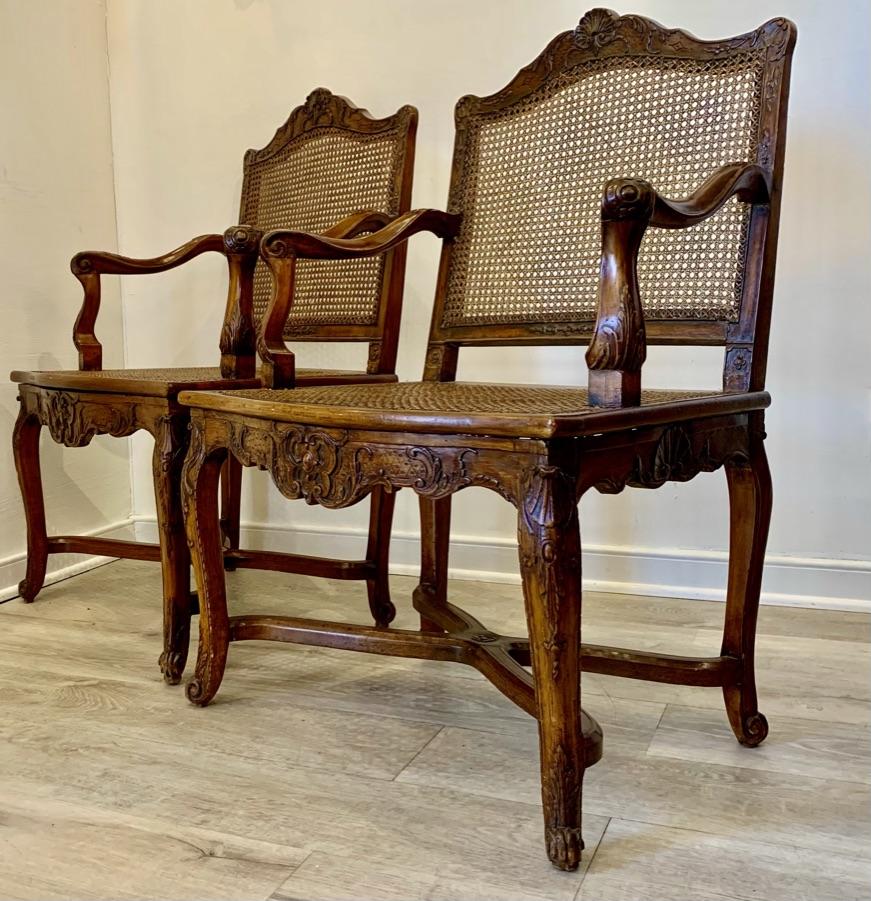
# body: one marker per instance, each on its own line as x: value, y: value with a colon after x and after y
x: 56, y: 197
x: 196, y: 82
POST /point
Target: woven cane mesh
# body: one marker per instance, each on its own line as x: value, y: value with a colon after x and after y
x: 452, y: 397
x: 309, y: 185
x: 531, y: 189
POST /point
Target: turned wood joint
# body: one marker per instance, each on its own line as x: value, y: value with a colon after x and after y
x: 618, y: 347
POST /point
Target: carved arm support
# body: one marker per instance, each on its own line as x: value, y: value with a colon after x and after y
x: 281, y: 249
x: 239, y: 245
x: 618, y: 347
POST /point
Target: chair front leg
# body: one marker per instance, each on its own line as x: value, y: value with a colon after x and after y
x: 382, y: 503
x: 550, y: 563
x: 200, y: 502
x: 170, y: 444
x: 231, y: 499
x: 25, y: 448
x: 750, y: 499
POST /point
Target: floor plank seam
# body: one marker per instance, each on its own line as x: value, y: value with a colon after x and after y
x: 276, y: 894
x: 593, y: 854
x: 801, y: 849
x: 656, y: 729
x: 419, y: 752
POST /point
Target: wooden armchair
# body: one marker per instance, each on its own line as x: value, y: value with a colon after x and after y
x: 534, y: 253
x: 331, y: 167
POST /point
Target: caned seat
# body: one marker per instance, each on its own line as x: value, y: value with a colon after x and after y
x: 331, y: 168
x: 170, y: 381
x: 622, y: 189
x: 527, y: 411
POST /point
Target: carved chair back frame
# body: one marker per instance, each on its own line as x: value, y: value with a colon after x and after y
x: 609, y: 39
x: 327, y: 117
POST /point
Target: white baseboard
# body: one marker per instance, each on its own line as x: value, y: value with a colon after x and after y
x: 61, y: 566
x: 661, y: 572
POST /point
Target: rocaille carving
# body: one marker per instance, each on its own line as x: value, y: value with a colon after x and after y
x: 325, y: 110
x: 596, y: 29
x: 674, y: 458
x: 548, y: 509
x: 327, y: 468
x: 73, y: 422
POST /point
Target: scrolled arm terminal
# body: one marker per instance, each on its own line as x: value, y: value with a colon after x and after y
x: 237, y: 243
x: 282, y: 248
x: 618, y: 346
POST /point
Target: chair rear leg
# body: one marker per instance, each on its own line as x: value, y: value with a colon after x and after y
x: 170, y: 444
x: 231, y: 498
x: 381, y: 508
x: 750, y: 514
x: 435, y: 537
x: 25, y: 448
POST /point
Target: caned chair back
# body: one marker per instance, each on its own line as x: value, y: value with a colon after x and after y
x: 329, y: 160
x: 618, y: 96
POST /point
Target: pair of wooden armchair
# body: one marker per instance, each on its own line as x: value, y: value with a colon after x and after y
x: 534, y: 253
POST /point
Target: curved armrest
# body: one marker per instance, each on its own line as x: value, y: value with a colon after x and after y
x: 281, y: 243
x: 746, y: 181
x: 99, y: 263
x: 618, y: 346
x: 358, y: 223
x: 239, y: 244
x: 282, y: 248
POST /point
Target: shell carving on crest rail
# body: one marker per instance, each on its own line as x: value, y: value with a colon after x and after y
x: 323, y: 109
x: 326, y: 142
x: 601, y: 28
x: 327, y: 468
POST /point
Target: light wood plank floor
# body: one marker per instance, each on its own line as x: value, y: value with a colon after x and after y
x: 320, y: 774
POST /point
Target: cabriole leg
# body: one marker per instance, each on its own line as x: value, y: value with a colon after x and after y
x: 550, y: 564
x: 25, y: 448
x: 378, y: 552
x: 750, y: 514
x: 231, y: 500
x: 200, y: 501
x: 435, y: 537
x: 170, y: 444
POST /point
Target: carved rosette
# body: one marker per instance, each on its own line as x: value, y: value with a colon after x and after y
x: 242, y: 239
x: 73, y: 422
